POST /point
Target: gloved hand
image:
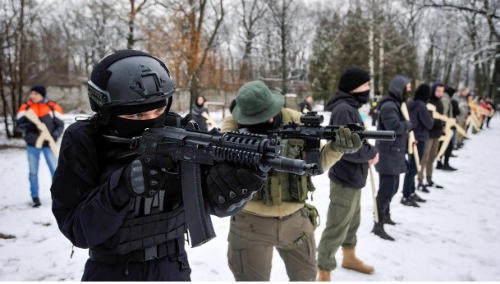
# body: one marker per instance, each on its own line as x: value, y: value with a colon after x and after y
x: 409, y: 126
x: 345, y: 141
x: 146, y: 175
x: 230, y: 188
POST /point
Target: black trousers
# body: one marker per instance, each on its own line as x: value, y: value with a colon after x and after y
x: 173, y: 267
x: 388, y: 186
x: 409, y: 180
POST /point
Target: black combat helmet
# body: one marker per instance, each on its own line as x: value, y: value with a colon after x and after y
x: 128, y: 79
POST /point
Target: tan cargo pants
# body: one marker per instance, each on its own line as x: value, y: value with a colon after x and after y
x: 460, y: 137
x: 252, y: 239
x: 430, y: 153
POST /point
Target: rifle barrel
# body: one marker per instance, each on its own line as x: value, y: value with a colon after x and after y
x: 383, y: 135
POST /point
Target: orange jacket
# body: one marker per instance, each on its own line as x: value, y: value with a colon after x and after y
x: 48, y: 112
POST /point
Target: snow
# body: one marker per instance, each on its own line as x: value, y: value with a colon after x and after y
x: 454, y: 236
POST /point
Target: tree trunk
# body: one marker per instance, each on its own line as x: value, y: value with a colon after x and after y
x: 284, y: 68
x: 371, y: 55
x: 381, y: 62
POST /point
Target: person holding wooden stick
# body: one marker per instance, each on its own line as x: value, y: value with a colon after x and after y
x: 432, y: 143
x: 392, y: 153
x: 41, y: 123
x: 347, y: 178
x: 422, y: 122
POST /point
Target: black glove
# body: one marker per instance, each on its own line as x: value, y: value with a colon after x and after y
x: 230, y: 188
x: 409, y: 126
x: 146, y: 175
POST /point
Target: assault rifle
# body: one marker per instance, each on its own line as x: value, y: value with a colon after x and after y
x: 311, y: 129
x: 192, y: 148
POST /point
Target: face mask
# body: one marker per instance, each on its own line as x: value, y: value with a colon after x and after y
x: 406, y: 95
x: 131, y: 128
x: 362, y: 97
x: 263, y: 128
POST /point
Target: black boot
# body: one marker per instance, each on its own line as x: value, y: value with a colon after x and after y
x: 409, y: 202
x: 388, y: 220
x: 378, y: 229
x: 423, y: 188
x: 439, y: 165
x: 417, y: 198
x: 449, y: 168
x: 432, y: 184
x: 36, y: 202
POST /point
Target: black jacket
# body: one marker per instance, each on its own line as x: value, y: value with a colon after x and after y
x: 437, y: 129
x: 421, y: 119
x: 87, y: 183
x: 304, y: 105
x: 392, y: 160
x: 352, y: 169
x: 200, y: 120
x: 48, y: 112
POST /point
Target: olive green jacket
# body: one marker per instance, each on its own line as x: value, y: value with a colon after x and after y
x: 328, y: 159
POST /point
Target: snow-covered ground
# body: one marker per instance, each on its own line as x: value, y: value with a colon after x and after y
x: 454, y: 236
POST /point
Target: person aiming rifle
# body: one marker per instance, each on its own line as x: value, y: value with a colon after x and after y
x: 130, y: 195
x: 278, y: 215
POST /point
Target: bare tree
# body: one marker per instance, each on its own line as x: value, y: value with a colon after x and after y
x: 134, y: 10
x: 200, y: 35
x: 252, y: 12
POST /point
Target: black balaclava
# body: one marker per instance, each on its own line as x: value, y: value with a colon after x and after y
x: 264, y: 127
x: 362, y: 97
x: 423, y: 93
x: 352, y: 78
x: 128, y: 128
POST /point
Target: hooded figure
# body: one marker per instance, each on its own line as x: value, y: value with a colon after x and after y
x: 437, y: 128
x: 422, y: 122
x: 392, y: 160
x: 420, y: 117
x: 390, y: 118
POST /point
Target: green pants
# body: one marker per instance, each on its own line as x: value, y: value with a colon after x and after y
x: 342, y: 223
x: 252, y: 239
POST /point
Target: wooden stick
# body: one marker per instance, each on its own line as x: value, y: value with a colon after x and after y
x: 412, y: 146
x: 374, y: 194
x: 44, y: 133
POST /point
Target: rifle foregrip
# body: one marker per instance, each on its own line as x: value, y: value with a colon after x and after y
x: 298, y: 167
x: 383, y: 135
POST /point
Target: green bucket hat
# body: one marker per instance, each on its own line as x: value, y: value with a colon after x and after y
x: 255, y: 103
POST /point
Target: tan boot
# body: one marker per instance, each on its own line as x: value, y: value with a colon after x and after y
x: 350, y: 261
x: 324, y: 275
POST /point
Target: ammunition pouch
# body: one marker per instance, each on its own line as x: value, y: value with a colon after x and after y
x: 313, y: 214
x: 145, y: 238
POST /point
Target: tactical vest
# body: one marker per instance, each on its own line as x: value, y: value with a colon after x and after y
x: 154, y: 227
x: 284, y: 186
